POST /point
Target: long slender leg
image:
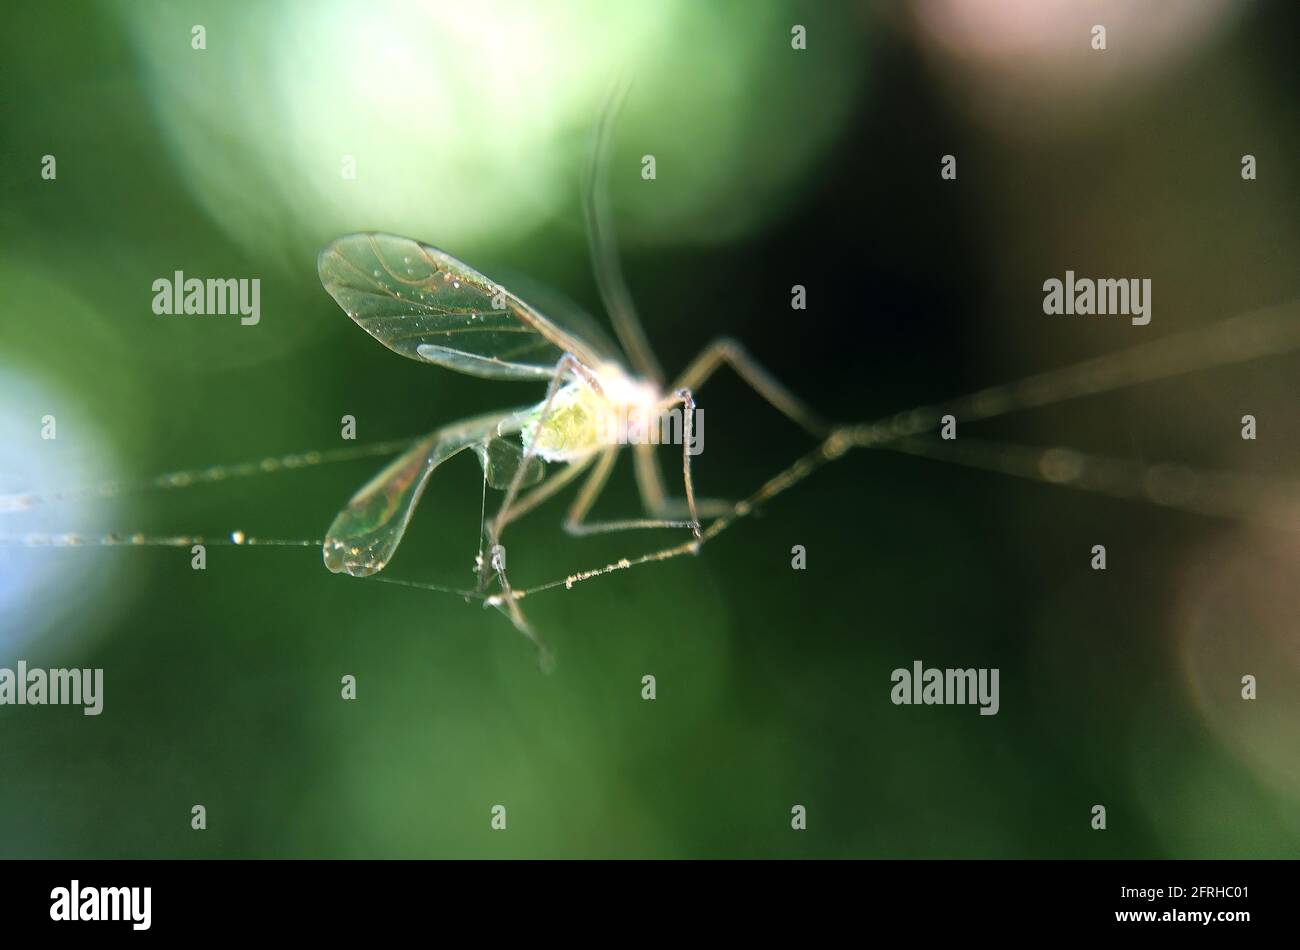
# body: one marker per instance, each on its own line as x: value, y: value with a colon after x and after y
x: 568, y: 363
x: 1223, y: 494
x: 575, y: 522
x: 727, y: 350
x: 683, y: 396
x: 711, y: 358
x: 546, y: 490
x: 649, y: 480
x: 527, y: 504
x: 833, y: 447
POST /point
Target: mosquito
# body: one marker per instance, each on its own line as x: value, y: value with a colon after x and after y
x: 426, y: 305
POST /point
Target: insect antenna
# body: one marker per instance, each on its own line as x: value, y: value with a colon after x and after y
x: 603, y: 246
x: 188, y: 478
x: 15, y: 504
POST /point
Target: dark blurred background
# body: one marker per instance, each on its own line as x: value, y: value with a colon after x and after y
x: 469, y: 124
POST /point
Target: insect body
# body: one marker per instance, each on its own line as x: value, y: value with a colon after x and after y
x: 428, y: 306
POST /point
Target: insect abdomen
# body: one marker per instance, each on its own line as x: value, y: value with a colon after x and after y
x: 571, y: 429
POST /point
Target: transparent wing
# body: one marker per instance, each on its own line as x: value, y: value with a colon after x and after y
x: 564, y: 312
x: 364, y: 536
x: 501, y: 458
x: 428, y: 306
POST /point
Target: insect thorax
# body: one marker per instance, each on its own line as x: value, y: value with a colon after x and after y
x: 581, y: 420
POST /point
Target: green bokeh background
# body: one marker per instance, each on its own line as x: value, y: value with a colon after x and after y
x: 775, y: 167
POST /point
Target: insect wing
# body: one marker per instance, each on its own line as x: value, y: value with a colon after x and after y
x: 364, y: 536
x: 501, y: 458
x: 428, y: 306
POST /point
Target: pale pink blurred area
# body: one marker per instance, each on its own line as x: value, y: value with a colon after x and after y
x: 1009, y: 61
x: 1238, y: 615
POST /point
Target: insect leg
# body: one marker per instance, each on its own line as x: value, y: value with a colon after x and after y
x: 649, y: 481
x: 700, y: 370
x: 568, y: 363
x: 545, y: 490
x: 525, y: 505
x: 729, y: 351
x: 575, y: 522
x: 688, y: 420
x: 1222, y: 494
